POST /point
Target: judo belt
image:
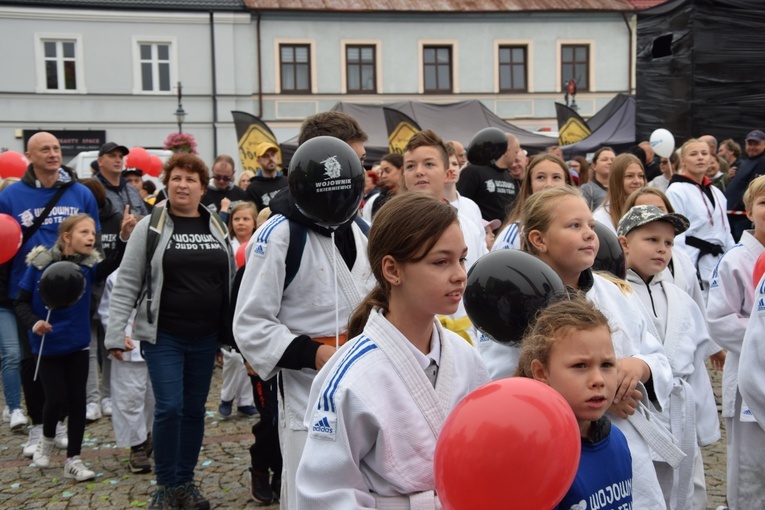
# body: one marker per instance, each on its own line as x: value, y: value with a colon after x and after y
x: 330, y: 340
x: 705, y: 247
x: 655, y: 436
x: 682, y: 421
x: 418, y: 501
x: 459, y: 326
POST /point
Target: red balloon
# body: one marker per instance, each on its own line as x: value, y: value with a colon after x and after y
x: 138, y: 158
x: 240, y: 255
x: 12, y: 164
x: 759, y: 269
x: 512, y: 443
x: 155, y: 166
x: 10, y: 237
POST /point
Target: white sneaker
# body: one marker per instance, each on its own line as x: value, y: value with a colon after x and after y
x: 41, y: 456
x: 74, y: 468
x: 18, y: 419
x: 6, y: 415
x: 92, y: 411
x: 106, y: 406
x: 35, y: 433
x: 61, y: 439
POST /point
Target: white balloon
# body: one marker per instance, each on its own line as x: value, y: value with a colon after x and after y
x: 662, y: 143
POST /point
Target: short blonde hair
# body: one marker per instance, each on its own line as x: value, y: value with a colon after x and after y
x: 755, y: 189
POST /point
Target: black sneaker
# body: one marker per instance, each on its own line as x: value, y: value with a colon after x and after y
x: 162, y: 499
x: 139, y: 461
x: 260, y: 490
x: 188, y: 497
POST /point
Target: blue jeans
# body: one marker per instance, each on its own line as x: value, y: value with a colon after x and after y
x: 10, y: 350
x: 180, y: 369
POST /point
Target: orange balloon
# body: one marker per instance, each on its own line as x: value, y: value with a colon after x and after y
x: 240, y: 255
x: 512, y: 443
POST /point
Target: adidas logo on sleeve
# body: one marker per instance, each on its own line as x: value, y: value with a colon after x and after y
x: 325, y: 427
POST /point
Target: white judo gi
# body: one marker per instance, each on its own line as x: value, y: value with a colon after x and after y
x: 132, y: 395
x: 730, y: 302
x: 374, y: 419
x: 708, y: 222
x: 751, y: 383
x: 691, y: 415
x: 268, y: 318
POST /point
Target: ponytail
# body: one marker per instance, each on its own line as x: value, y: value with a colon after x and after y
x: 377, y: 298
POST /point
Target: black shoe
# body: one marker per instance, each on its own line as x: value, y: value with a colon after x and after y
x: 139, y: 461
x: 188, y: 497
x: 276, y: 485
x: 163, y: 498
x: 260, y: 490
x: 147, y: 445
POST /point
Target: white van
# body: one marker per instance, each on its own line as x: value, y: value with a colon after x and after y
x: 81, y: 164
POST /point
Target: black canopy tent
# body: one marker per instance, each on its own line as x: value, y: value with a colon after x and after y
x: 701, y: 68
x: 454, y: 121
x: 612, y: 126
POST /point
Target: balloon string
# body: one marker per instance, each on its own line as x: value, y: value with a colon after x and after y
x: 39, y: 355
x: 337, y: 304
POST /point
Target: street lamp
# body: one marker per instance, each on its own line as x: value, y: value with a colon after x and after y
x: 180, y: 113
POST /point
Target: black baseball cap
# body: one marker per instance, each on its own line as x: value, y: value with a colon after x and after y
x: 110, y: 146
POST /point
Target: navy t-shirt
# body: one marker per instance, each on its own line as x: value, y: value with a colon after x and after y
x: 604, y: 478
x: 195, y: 267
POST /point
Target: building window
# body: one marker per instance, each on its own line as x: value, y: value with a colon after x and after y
x: 437, y: 63
x: 60, y: 65
x: 155, y: 67
x: 575, y: 65
x: 360, y: 69
x: 512, y: 69
x: 295, y: 64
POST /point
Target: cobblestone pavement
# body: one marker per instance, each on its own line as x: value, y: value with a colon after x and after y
x: 222, y: 469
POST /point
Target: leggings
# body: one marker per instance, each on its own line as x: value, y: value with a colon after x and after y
x: 64, y: 379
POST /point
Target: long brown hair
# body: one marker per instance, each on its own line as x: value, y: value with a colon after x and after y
x: 406, y: 228
x: 526, y: 192
x: 616, y: 194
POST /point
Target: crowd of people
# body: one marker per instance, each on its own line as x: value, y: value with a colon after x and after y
x: 352, y: 392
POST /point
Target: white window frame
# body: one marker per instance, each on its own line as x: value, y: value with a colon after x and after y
x: 529, y: 44
x: 377, y: 43
x: 278, y: 63
x: 559, y: 43
x: 79, y: 62
x: 454, y: 43
x: 138, y: 77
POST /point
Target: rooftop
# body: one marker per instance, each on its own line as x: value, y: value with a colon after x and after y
x: 172, y: 5
x: 441, y: 5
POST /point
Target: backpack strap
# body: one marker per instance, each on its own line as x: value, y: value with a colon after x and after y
x: 298, y: 235
x: 152, y: 240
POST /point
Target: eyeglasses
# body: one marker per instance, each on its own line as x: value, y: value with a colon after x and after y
x: 663, y: 161
x: 224, y: 178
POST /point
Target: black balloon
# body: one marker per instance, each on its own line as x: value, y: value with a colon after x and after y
x: 326, y: 180
x: 504, y: 291
x: 610, y: 257
x: 62, y: 284
x: 489, y: 144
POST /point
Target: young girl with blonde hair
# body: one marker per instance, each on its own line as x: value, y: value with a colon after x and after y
x: 626, y: 177
x: 368, y: 448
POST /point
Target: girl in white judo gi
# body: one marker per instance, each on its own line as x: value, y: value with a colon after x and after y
x: 558, y: 228
x: 693, y: 195
x: 376, y: 408
x: 730, y: 303
x: 647, y: 234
